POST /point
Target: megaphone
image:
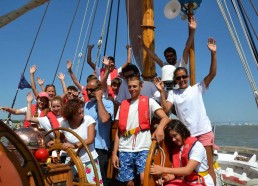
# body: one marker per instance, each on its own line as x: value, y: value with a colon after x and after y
x: 172, y: 9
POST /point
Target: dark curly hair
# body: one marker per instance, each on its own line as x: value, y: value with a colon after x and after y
x: 70, y: 108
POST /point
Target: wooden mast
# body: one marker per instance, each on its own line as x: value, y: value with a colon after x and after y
x: 149, y: 69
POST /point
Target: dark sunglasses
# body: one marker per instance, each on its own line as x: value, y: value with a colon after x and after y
x: 92, y: 89
x: 179, y: 77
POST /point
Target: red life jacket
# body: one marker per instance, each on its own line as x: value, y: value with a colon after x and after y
x: 188, y: 144
x: 113, y: 75
x: 51, y: 116
x: 85, y: 95
x: 143, y: 114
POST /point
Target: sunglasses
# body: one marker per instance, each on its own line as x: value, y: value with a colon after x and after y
x: 179, y: 77
x: 92, y: 89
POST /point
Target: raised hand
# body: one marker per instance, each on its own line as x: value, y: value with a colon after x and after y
x: 192, y: 23
x: 61, y: 76
x: 90, y: 47
x: 212, y: 45
x: 159, y: 84
x: 40, y: 81
x: 69, y: 65
x: 33, y: 69
x: 30, y: 97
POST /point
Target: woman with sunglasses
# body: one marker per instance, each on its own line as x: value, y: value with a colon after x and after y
x: 189, y: 104
x: 188, y: 157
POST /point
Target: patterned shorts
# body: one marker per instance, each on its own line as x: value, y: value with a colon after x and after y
x: 89, y: 172
x: 128, y: 161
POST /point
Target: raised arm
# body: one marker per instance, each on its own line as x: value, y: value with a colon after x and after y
x: 166, y: 105
x: 28, y: 113
x: 192, y: 27
x: 73, y: 77
x: 61, y: 76
x: 41, y: 83
x: 129, y: 56
x: 152, y: 54
x: 103, y: 114
x: 105, y: 76
x: 89, y: 60
x: 33, y: 69
x: 213, y: 68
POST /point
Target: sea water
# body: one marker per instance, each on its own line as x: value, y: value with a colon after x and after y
x: 237, y: 134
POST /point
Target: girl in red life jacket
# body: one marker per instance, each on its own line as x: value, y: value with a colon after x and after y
x: 51, y: 119
x: 188, y: 157
x: 40, y: 109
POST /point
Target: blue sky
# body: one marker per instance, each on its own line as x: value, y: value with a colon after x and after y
x: 230, y: 97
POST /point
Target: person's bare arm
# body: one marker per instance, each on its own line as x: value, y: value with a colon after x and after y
x: 152, y: 54
x: 89, y: 59
x: 73, y: 77
x: 213, y: 68
x: 192, y: 27
x: 129, y: 56
x: 33, y: 69
x: 41, y: 83
x: 61, y: 76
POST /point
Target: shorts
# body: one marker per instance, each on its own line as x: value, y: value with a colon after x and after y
x: 207, y: 139
x: 128, y: 161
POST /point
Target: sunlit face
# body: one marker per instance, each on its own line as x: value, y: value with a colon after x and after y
x: 176, y: 138
x: 56, y: 107
x: 42, y: 102
x: 134, y: 87
x: 170, y: 58
x: 115, y: 88
x: 181, y: 79
x: 112, y: 64
x: 51, y: 92
x: 91, y: 88
x: 71, y: 94
x: 80, y: 114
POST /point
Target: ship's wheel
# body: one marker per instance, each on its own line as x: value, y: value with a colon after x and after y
x: 156, y: 155
x: 12, y: 171
x: 75, y: 156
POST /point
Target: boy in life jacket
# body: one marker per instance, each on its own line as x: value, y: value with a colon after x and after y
x: 133, y: 137
x: 188, y: 156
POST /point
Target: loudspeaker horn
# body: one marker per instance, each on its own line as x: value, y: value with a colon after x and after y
x: 172, y: 9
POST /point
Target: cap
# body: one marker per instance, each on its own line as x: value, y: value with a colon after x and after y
x: 43, y: 94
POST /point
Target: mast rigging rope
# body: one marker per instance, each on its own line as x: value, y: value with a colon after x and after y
x: 28, y: 59
x: 68, y: 34
x: 94, y: 10
x: 117, y: 16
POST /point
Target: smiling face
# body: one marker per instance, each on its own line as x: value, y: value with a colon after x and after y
x: 56, y: 107
x: 42, y: 102
x: 134, y: 87
x: 176, y: 138
x: 181, y: 78
x: 51, y: 91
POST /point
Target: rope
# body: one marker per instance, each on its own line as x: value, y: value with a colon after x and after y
x: 68, y: 34
x: 28, y: 59
x: 111, y: 7
x: 101, y: 36
x: 95, y: 5
x: 117, y: 16
x: 237, y: 45
x: 79, y: 39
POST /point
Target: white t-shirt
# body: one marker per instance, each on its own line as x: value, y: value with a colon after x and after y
x: 179, y: 63
x: 198, y: 153
x: 148, y: 89
x: 143, y: 138
x: 45, y: 124
x: 190, y: 108
x: 97, y: 69
x: 82, y: 131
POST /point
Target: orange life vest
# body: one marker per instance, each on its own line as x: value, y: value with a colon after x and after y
x: 50, y: 115
x: 188, y: 144
x: 85, y: 95
x: 143, y: 115
x: 113, y: 75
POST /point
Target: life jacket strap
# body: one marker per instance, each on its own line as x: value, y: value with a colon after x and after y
x: 131, y: 132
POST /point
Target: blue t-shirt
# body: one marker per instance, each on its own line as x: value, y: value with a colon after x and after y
x: 102, y: 138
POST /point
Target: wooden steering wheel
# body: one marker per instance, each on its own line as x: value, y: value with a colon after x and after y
x: 75, y: 155
x: 17, y: 171
x: 156, y: 155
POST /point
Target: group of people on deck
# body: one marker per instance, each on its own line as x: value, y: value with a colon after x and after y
x: 118, y: 96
